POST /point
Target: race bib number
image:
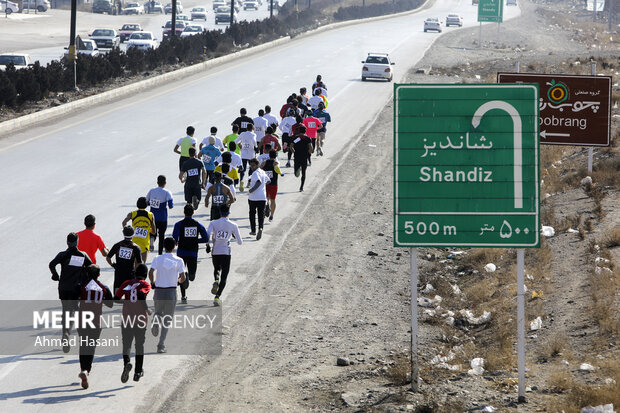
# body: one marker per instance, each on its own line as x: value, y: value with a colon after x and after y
x: 269, y: 174
x: 296, y: 140
x: 125, y: 253
x: 221, y: 235
x: 76, y: 261
x: 312, y: 125
x: 191, y: 232
x: 259, y: 129
x: 206, y: 158
x: 244, y: 125
x: 192, y: 172
x: 140, y: 232
x: 218, y: 199
x: 154, y: 203
x: 322, y: 120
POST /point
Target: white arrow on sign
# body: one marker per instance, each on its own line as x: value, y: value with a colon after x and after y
x: 518, y: 150
x: 544, y: 134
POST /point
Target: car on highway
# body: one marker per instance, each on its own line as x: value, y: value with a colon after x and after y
x: 178, y: 28
x: 106, y: 38
x: 454, y: 20
x: 247, y: 5
x: 153, y: 7
x: 105, y: 6
x: 127, y: 30
x: 198, y: 13
x: 432, y: 23
x: 20, y: 60
x: 511, y: 2
x: 133, y: 8
x: 219, y: 3
x: 88, y: 48
x: 142, y: 40
x: 192, y: 30
x: 184, y: 17
x: 474, y: 2
x: 168, y: 8
x: 38, y: 5
x: 8, y: 7
x: 222, y: 15
x: 377, y: 66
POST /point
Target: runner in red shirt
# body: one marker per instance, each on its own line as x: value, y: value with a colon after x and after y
x: 93, y: 295
x: 312, y: 126
x: 270, y: 139
x: 135, y: 320
x: 89, y: 241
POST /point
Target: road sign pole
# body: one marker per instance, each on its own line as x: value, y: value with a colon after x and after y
x: 413, y: 252
x: 480, y: 37
x: 591, y: 149
x: 521, y: 323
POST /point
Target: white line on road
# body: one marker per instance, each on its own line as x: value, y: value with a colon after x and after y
x: 124, y: 157
x: 5, y: 219
x: 219, y: 111
x: 162, y: 139
x: 64, y: 189
x: 240, y: 100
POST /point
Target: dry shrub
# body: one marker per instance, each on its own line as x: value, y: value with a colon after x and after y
x: 500, y: 354
x: 611, y: 239
x: 547, y: 214
x: 577, y: 395
x: 605, y: 293
x: 553, y: 346
x: 607, y: 172
x: 399, y: 371
x: 477, y: 258
x: 538, y: 260
x: 569, y: 221
x: 589, y: 225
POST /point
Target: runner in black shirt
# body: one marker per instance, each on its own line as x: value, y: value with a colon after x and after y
x: 73, y: 263
x: 302, y: 148
x: 243, y: 121
x: 194, y: 175
x: 128, y: 257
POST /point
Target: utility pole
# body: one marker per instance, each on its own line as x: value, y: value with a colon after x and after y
x: 232, y: 12
x: 173, y: 28
x: 72, y: 52
x: 611, y: 13
x: 271, y: 9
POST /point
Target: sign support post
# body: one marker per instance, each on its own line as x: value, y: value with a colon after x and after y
x: 591, y: 149
x: 521, y: 324
x: 413, y: 252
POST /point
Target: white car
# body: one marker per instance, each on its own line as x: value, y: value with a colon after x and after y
x: 192, y: 30
x: 250, y: 5
x: 219, y: 3
x: 198, y: 13
x: 89, y: 48
x: 8, y: 7
x: 432, y: 23
x: 378, y: 66
x: 133, y: 8
x: 142, y: 40
x: 454, y: 20
x: 20, y: 60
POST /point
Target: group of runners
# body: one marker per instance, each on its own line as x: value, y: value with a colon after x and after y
x: 246, y: 159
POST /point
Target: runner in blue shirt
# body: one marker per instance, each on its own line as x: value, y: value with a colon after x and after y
x: 324, y: 117
x: 160, y: 199
x: 209, y: 154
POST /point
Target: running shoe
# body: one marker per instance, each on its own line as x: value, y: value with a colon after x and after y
x: 241, y: 186
x: 195, y: 201
x: 216, y: 287
x: 288, y: 164
x: 155, y: 328
x: 84, y: 377
x: 217, y: 302
x: 183, y: 300
x: 267, y: 210
x: 162, y: 349
x: 259, y: 234
x: 136, y: 376
x: 125, y: 375
x: 66, y: 346
x: 320, y: 152
x: 301, y: 189
x: 297, y: 172
x: 270, y: 218
x: 309, y: 162
x: 252, y: 233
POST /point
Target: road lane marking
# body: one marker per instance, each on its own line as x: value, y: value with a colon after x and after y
x: 5, y: 219
x: 162, y: 139
x: 64, y: 189
x: 218, y: 111
x: 122, y: 158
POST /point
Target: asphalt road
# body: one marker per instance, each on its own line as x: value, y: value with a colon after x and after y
x: 100, y: 160
x: 44, y: 35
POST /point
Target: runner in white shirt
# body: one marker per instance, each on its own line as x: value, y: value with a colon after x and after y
x: 260, y: 125
x: 221, y: 231
x: 167, y: 271
x: 271, y: 119
x: 218, y: 142
x: 247, y: 142
x: 285, y: 127
x: 257, y: 197
x: 316, y: 99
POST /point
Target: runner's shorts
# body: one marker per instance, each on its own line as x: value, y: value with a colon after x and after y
x: 272, y: 191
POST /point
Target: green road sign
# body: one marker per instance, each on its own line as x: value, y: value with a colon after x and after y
x: 490, y: 11
x: 466, y: 165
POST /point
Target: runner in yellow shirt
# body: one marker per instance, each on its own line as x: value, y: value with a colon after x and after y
x: 143, y: 223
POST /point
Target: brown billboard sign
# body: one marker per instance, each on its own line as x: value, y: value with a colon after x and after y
x: 574, y: 110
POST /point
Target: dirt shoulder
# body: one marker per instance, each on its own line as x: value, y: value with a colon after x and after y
x: 339, y: 289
